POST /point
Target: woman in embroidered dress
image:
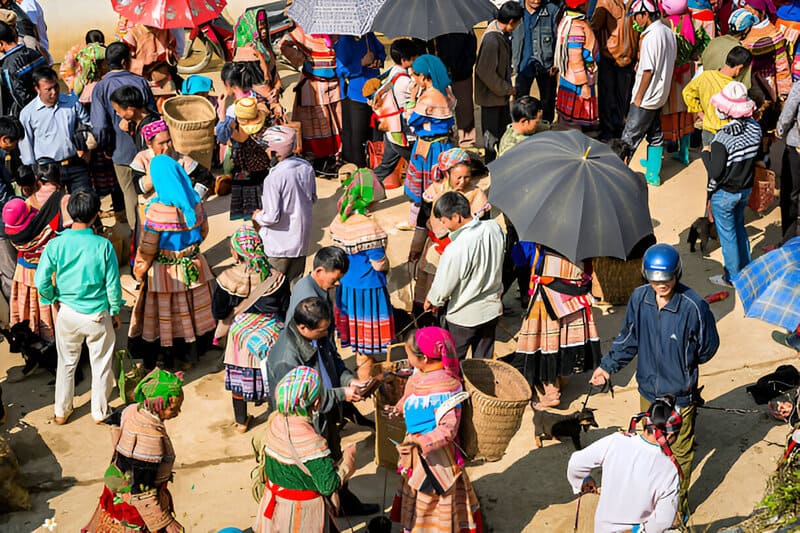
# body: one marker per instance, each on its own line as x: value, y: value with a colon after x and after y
x: 318, y: 100
x: 298, y: 470
x: 29, y: 229
x: 363, y: 310
x: 436, y: 495
x: 576, y: 57
x: 677, y: 123
x: 558, y: 336
x: 159, y: 142
x: 135, y: 497
x: 254, y: 329
x: 429, y: 115
x: 430, y: 236
x: 175, y: 301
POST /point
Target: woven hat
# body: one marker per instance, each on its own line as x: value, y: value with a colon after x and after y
x: 643, y: 6
x: 17, y: 214
x: 249, y: 115
x: 732, y: 101
x: 9, y: 17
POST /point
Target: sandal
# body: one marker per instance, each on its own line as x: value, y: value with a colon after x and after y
x: 242, y: 428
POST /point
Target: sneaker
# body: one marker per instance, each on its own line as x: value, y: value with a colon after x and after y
x: 720, y: 280
x: 782, y: 338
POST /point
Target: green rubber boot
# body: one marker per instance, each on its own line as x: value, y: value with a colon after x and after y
x: 682, y: 154
x: 652, y: 165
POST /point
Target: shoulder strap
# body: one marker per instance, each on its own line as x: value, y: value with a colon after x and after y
x: 296, y: 457
x: 260, y: 290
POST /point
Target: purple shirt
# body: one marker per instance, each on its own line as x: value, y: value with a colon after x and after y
x: 290, y: 191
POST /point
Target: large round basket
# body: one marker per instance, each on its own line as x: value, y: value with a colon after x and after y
x: 191, y: 120
x: 493, y: 415
x: 615, y: 279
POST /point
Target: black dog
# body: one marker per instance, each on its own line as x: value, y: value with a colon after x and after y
x: 36, y: 351
x: 702, y: 229
x: 547, y: 425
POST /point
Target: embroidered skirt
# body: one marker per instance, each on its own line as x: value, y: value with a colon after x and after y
x: 166, y: 316
x: 25, y: 304
x: 550, y: 348
x: 364, y: 319
x: 574, y: 110
x: 249, y: 340
x: 120, y: 517
x: 101, y: 171
x: 321, y: 126
x: 420, y: 173
x: 307, y: 516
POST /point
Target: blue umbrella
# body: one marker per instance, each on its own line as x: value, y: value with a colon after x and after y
x: 769, y: 287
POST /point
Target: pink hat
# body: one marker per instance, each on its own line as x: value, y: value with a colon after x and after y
x: 280, y: 139
x: 732, y: 101
x: 17, y: 214
x: 675, y: 7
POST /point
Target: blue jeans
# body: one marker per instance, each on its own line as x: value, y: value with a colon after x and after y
x: 728, y: 210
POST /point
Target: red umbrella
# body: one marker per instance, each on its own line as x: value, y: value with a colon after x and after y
x: 166, y: 14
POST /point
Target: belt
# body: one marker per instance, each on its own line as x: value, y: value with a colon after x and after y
x: 294, y: 495
x: 70, y: 161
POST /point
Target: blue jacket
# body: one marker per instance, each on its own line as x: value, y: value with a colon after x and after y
x: 352, y: 76
x: 105, y: 122
x: 538, y: 37
x: 671, y: 343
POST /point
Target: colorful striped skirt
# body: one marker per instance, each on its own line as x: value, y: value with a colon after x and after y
x: 420, y: 172
x: 249, y: 341
x: 166, y: 316
x: 25, y: 304
x: 550, y: 348
x: 574, y: 110
x: 364, y: 319
x: 321, y: 125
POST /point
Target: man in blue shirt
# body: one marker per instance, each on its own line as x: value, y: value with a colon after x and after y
x: 105, y: 124
x: 88, y: 290
x: 672, y: 330
x: 52, y: 123
x: 538, y: 36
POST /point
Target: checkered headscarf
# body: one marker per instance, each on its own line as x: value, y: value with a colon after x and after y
x: 297, y: 391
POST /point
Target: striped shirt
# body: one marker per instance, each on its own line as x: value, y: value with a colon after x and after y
x: 732, y: 159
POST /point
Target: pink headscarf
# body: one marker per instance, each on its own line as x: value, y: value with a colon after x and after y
x: 438, y: 343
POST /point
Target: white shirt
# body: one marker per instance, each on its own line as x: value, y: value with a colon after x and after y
x: 657, y: 53
x: 640, y: 484
x: 469, y: 275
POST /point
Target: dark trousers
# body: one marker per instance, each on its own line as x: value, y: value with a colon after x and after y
x: 356, y: 131
x: 614, y: 96
x: 494, y: 121
x: 480, y: 338
x: 790, y: 192
x: 75, y: 177
x: 391, y: 156
x: 642, y: 124
x: 547, y: 89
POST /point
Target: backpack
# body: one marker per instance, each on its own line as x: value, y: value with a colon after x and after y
x: 17, y: 79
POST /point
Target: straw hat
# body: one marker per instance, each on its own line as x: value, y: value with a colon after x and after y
x: 732, y: 101
x: 250, y: 115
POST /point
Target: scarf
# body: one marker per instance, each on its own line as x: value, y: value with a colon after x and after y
x: 248, y: 245
x: 173, y: 188
x: 297, y: 391
x: 156, y: 388
x: 361, y: 189
x: 433, y: 68
x: 438, y: 343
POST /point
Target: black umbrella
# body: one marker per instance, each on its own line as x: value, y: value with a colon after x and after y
x: 426, y: 19
x: 572, y: 194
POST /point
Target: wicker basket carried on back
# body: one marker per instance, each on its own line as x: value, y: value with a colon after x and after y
x: 493, y: 414
x: 389, y: 393
x: 191, y: 120
x: 614, y: 279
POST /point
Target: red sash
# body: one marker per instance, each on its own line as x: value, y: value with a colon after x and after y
x: 287, y: 494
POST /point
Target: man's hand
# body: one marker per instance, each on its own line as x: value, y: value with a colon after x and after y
x: 115, y: 320
x: 255, y: 214
x: 392, y: 412
x: 413, y: 256
x: 428, y: 306
x: 710, y: 212
x: 352, y: 394
x: 553, y: 71
x: 599, y: 377
x: 589, y: 486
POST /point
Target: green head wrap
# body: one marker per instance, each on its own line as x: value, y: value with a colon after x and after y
x: 248, y: 245
x: 297, y: 391
x: 156, y: 388
x: 359, y: 193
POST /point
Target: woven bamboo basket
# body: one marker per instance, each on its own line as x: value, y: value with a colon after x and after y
x: 493, y: 415
x: 386, y: 429
x: 614, y: 279
x: 191, y: 120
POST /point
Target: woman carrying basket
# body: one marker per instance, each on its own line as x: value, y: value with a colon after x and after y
x: 436, y: 494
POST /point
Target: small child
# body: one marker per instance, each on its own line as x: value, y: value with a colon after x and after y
x: 79, y: 270
x: 526, y: 113
x: 398, y: 139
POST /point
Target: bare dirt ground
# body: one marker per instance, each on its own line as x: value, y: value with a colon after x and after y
x: 525, y: 491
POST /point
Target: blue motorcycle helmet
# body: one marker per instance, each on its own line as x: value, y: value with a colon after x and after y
x: 661, y: 262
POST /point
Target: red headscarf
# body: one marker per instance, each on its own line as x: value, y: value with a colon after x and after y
x: 438, y: 343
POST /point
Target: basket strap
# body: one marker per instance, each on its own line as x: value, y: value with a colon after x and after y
x: 449, y: 404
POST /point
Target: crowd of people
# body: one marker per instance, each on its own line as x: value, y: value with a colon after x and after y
x: 723, y: 77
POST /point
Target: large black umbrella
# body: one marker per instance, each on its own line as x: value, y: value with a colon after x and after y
x: 426, y: 19
x: 572, y: 194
